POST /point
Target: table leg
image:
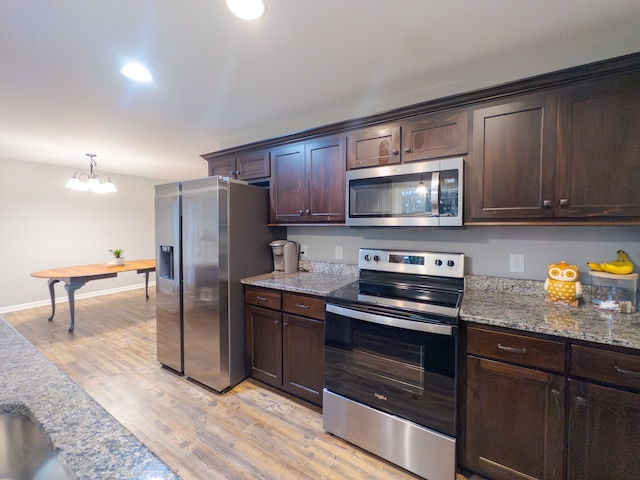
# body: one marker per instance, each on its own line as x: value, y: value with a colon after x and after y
x: 52, y: 294
x: 71, y: 288
x: 146, y: 284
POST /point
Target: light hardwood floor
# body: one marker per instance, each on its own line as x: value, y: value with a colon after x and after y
x: 252, y: 431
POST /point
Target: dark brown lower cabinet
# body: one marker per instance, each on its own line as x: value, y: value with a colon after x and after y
x: 529, y: 417
x: 604, y: 433
x: 285, y: 341
x: 264, y: 333
x: 303, y: 357
x: 514, y: 421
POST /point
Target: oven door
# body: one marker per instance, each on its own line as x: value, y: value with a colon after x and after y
x: 403, y: 367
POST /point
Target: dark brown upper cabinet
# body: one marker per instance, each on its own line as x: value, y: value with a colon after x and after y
x: 374, y: 146
x: 308, y: 182
x: 434, y: 136
x: 513, y: 164
x: 599, y: 148
x: 569, y: 154
x: 222, y: 166
x: 243, y: 166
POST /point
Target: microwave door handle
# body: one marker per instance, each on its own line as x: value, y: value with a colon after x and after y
x: 435, y: 194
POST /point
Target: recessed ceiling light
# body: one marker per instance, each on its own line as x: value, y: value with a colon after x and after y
x: 246, y: 9
x: 136, y: 72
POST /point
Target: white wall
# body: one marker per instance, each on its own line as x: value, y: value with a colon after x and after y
x: 486, y: 248
x: 45, y: 225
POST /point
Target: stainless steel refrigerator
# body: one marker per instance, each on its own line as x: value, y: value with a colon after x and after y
x: 210, y: 233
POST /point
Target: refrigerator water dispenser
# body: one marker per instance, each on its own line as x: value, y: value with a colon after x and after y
x: 165, y: 266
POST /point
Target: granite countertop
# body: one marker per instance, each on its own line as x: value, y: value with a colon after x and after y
x: 503, y: 302
x: 314, y: 279
x: 521, y: 305
x: 85, y: 437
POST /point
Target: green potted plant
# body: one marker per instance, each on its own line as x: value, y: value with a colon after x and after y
x: 118, y: 255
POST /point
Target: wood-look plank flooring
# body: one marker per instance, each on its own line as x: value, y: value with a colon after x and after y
x: 252, y: 431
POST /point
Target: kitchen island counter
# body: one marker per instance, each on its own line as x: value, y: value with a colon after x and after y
x: 84, y: 436
x: 521, y: 305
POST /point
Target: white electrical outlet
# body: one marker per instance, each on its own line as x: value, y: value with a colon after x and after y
x: 516, y: 262
x: 304, y: 251
x: 339, y: 252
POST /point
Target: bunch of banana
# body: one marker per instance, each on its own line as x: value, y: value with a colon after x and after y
x: 621, y: 265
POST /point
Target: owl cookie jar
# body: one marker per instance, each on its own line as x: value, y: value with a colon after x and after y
x: 562, y: 284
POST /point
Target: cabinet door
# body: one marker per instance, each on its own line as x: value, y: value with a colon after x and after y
x: 604, y: 433
x: 288, y: 184
x: 303, y: 357
x: 514, y: 421
x: 513, y: 163
x: 264, y: 344
x: 371, y: 147
x: 252, y: 165
x: 599, y: 148
x: 223, y: 166
x: 326, y: 182
x: 433, y: 136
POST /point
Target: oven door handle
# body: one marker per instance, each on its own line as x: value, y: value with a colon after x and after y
x: 436, y: 328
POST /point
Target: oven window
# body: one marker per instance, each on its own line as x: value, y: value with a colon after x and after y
x: 406, y: 373
x: 394, y: 363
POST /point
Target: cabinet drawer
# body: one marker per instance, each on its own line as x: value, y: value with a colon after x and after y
x: 303, y: 305
x: 529, y: 351
x: 606, y: 366
x: 263, y: 298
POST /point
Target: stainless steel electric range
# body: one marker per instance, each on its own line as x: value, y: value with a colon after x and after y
x: 391, y: 341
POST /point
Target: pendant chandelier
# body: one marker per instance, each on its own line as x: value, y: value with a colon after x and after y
x: 96, y: 182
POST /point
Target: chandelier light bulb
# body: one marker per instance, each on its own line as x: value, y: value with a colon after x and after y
x: 96, y: 182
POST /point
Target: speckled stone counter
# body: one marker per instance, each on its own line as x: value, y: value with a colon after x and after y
x: 520, y: 304
x: 319, y: 278
x: 85, y: 437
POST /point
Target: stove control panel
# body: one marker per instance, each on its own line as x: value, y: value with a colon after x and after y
x: 441, y: 264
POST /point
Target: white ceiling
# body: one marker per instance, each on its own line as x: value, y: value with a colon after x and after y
x: 220, y: 81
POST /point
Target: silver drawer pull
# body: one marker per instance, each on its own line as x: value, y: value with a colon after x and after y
x: 262, y: 299
x: 512, y: 349
x: 626, y: 372
x: 300, y: 305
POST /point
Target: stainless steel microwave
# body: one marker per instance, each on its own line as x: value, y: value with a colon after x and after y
x: 421, y: 194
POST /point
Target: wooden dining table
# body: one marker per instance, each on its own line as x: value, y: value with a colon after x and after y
x: 76, y: 277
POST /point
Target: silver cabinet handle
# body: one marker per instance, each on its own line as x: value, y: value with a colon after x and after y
x: 394, y: 151
x: 262, y: 299
x: 547, y: 203
x: 407, y: 150
x: 626, y: 372
x: 300, y: 211
x: 564, y: 202
x: 506, y: 348
x: 300, y: 305
x: 307, y: 211
x: 581, y: 401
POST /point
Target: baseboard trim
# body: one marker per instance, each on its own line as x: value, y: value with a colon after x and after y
x: 78, y: 296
